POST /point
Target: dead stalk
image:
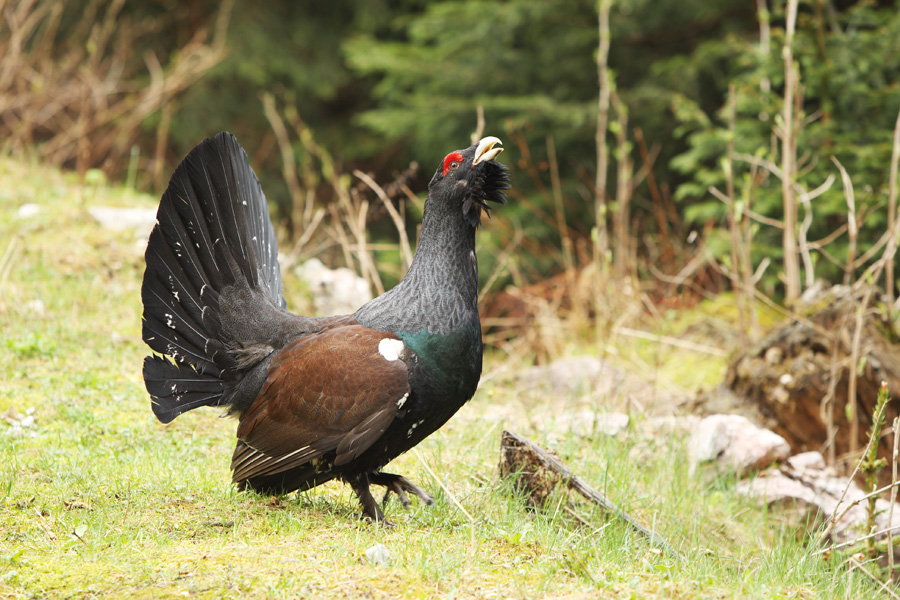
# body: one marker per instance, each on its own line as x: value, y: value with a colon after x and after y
x: 671, y: 341
x: 835, y: 516
x: 288, y: 159
x: 852, y: 228
x: 473, y: 547
x: 395, y: 216
x: 721, y: 197
x: 502, y: 262
x: 765, y: 37
x: 479, y: 124
x: 853, y: 542
x: 560, y: 210
x: 788, y: 160
x: 659, y: 209
x: 894, y: 482
x: 892, y: 208
x: 802, y: 238
x: 859, y: 566
x: 826, y: 407
x: 624, y: 176
x: 852, y: 373
x: 601, y: 241
x: 90, y: 103
x: 736, y: 251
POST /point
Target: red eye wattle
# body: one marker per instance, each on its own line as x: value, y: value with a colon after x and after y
x: 451, y: 161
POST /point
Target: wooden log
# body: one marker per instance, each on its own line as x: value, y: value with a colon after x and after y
x: 537, y: 473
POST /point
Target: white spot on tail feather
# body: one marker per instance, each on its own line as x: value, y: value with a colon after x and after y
x: 413, y: 428
x: 390, y: 349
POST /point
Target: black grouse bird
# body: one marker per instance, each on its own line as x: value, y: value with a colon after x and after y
x: 316, y: 398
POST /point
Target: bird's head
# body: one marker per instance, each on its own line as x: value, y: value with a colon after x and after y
x: 469, y: 179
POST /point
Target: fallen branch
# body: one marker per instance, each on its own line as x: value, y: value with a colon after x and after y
x: 539, y: 473
x: 858, y: 565
x: 671, y: 341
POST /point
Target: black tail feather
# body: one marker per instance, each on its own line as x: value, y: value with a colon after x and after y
x: 175, y: 389
x: 212, y: 282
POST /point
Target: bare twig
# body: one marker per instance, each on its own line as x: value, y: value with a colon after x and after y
x: 601, y: 241
x: 659, y: 209
x: 852, y: 228
x: 288, y: 160
x: 395, y: 216
x: 835, y: 516
x: 88, y: 102
x: 746, y: 211
x: 858, y: 565
x: 671, y: 341
x: 479, y: 125
x: 473, y: 544
x: 502, y: 262
x: 827, y: 405
x: 765, y: 37
x: 788, y: 158
x: 736, y: 250
x: 802, y: 240
x: 852, y: 373
x: 892, y: 207
x: 853, y: 542
x: 560, y: 210
x: 894, y: 456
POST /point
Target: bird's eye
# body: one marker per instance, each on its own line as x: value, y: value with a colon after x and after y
x: 452, y: 161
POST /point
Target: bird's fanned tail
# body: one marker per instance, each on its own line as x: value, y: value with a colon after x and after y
x: 212, y: 288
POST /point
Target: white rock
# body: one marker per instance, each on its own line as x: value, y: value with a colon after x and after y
x: 117, y: 218
x: 669, y: 425
x: 587, y: 422
x: 810, y: 500
x: 36, y: 306
x: 807, y: 461
x: 20, y: 425
x: 572, y: 375
x: 733, y: 442
x: 28, y: 210
x: 378, y: 555
x: 335, y: 291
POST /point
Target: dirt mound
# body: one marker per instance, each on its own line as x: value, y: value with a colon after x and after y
x: 798, y: 376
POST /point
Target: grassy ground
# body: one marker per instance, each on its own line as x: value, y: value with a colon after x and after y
x: 97, y: 499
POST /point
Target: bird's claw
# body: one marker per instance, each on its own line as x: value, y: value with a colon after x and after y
x: 399, y: 485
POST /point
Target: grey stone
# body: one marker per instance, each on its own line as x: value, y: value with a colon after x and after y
x: 116, y: 218
x: 378, y: 555
x: 28, y: 210
x: 806, y: 497
x: 588, y: 422
x: 733, y: 442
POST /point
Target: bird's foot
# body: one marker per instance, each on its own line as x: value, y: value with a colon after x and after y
x: 399, y: 485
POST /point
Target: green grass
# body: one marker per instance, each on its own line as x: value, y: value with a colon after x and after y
x: 98, y: 499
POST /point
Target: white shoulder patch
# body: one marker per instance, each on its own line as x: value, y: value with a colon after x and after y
x: 390, y: 349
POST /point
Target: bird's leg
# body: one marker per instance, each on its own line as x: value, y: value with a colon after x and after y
x: 399, y: 485
x: 371, y: 510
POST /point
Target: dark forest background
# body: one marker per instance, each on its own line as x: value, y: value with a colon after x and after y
x: 693, y: 95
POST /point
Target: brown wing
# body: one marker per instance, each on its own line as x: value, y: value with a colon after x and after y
x: 328, y: 391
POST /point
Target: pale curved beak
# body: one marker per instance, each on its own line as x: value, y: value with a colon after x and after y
x: 486, y: 151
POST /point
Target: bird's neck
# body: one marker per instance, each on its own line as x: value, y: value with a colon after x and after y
x: 439, y: 293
